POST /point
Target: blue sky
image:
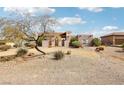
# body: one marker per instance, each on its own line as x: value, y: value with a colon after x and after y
x: 97, y: 21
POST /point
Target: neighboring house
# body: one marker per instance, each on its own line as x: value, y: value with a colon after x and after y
x: 116, y: 38
x: 56, y: 39
x: 85, y: 39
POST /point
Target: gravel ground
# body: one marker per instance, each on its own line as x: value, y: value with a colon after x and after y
x: 84, y: 66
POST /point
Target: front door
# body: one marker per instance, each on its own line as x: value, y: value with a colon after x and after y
x: 50, y: 43
x: 63, y: 42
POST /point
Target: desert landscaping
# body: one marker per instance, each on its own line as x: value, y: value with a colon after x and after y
x: 40, y: 48
x: 83, y: 66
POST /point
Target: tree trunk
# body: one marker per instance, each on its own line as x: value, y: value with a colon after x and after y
x: 36, y: 47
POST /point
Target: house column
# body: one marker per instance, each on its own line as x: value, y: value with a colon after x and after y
x: 113, y: 40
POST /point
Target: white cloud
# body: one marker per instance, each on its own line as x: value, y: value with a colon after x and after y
x: 92, y: 9
x: 30, y: 10
x: 71, y: 20
x: 110, y: 28
x: 58, y: 28
x: 116, y: 7
x: 77, y: 15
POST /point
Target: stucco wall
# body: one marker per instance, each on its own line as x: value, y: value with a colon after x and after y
x: 45, y: 43
x: 112, y: 40
x: 84, y: 38
x: 107, y: 40
x: 119, y: 40
x: 66, y: 43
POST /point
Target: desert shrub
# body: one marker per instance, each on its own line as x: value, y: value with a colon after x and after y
x: 122, y: 46
x: 21, y: 52
x: 2, y: 42
x: 76, y: 44
x: 96, y: 42
x: 5, y: 47
x: 98, y: 49
x: 26, y: 44
x: 68, y: 53
x: 15, y: 45
x: 101, y: 48
x: 58, y: 55
x: 6, y: 58
x: 30, y: 45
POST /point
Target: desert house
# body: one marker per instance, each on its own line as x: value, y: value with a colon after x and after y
x: 116, y: 38
x: 53, y: 39
x: 85, y: 39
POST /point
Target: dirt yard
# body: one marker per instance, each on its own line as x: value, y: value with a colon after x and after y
x: 83, y: 66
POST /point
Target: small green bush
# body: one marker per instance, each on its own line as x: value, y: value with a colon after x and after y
x: 5, y: 47
x: 58, y: 55
x: 21, y: 52
x: 72, y: 40
x: 96, y: 42
x: 76, y: 44
x: 30, y: 45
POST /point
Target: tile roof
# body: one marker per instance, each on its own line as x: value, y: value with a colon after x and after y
x: 54, y: 33
x: 114, y: 33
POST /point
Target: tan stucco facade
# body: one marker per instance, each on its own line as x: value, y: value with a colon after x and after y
x: 113, y: 39
x: 85, y: 40
x: 57, y: 39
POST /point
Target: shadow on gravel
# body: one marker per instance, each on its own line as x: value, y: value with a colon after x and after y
x: 117, y: 57
x: 120, y: 51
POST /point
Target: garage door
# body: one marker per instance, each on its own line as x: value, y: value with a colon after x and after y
x: 119, y: 41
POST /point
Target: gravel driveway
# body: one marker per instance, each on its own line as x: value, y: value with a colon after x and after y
x: 73, y: 69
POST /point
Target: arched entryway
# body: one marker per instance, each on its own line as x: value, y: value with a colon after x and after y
x: 56, y: 41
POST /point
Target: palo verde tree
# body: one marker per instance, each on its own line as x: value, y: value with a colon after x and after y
x: 10, y: 31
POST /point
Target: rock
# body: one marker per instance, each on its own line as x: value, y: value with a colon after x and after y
x: 30, y: 54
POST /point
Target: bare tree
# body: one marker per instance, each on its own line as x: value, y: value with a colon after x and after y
x: 47, y: 23
x: 27, y: 25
